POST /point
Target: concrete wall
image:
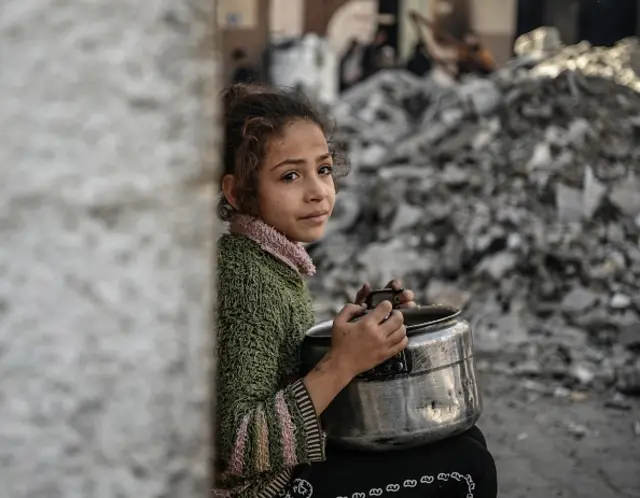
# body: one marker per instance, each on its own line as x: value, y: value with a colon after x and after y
x: 286, y: 18
x: 495, y: 22
x: 252, y: 34
x: 408, y: 34
x: 318, y: 14
x: 106, y: 200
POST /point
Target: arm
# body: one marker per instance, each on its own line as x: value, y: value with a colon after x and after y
x: 326, y: 380
x: 261, y: 428
x: 440, y: 54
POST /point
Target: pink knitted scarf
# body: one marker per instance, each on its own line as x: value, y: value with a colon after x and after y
x: 273, y: 242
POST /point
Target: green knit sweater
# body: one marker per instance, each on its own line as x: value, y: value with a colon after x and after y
x: 266, y: 422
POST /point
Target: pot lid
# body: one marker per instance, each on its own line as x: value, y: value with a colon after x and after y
x: 415, y: 319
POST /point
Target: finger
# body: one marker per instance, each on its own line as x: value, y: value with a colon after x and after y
x: 409, y: 305
x: 349, y: 312
x: 398, y: 346
x: 395, y: 321
x: 405, y: 296
x: 362, y: 294
x: 395, y: 284
x: 380, y: 312
x: 396, y: 336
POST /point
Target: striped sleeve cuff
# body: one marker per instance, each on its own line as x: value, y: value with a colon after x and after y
x: 313, y: 431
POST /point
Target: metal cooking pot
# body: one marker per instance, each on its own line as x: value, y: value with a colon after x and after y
x: 426, y: 393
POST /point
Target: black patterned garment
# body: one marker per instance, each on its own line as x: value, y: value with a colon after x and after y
x: 459, y: 467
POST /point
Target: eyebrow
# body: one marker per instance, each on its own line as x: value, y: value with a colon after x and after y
x: 300, y: 162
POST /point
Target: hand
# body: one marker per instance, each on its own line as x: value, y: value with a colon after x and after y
x: 405, y: 300
x: 361, y: 345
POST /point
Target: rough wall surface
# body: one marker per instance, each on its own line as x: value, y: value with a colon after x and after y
x: 106, y: 241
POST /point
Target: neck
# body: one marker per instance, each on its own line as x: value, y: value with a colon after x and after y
x: 275, y: 243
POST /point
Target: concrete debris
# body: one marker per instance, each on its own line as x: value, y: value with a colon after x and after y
x: 308, y: 63
x: 514, y: 197
x: 618, y: 402
x: 539, y: 42
x: 578, y: 431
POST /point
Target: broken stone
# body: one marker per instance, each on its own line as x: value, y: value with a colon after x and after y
x: 539, y: 42
x: 569, y: 202
x: 620, y: 301
x: 482, y: 95
x: 578, y: 300
x: 561, y: 392
x: 406, y: 216
x: 627, y: 199
x: 593, y: 193
x: 582, y: 374
x: 498, y: 265
x: 618, y: 402
x: 441, y: 292
x: 630, y: 336
x: 577, y: 430
x: 629, y: 380
x: 541, y: 158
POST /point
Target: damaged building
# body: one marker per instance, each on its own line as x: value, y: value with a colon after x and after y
x: 254, y: 24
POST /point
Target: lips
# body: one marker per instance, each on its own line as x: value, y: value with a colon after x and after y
x: 315, y: 215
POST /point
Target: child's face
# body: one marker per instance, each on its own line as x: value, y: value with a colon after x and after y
x: 296, y: 190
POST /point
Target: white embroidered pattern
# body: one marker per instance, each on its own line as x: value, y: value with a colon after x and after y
x: 299, y: 488
x: 412, y: 483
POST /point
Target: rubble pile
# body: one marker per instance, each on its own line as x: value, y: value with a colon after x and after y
x: 516, y: 198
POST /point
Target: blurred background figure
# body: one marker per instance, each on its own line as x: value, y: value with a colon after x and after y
x: 372, y: 58
x: 351, y: 65
x: 387, y: 57
x: 420, y: 63
x: 473, y: 57
x: 243, y: 71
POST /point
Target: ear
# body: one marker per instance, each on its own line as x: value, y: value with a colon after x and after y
x: 228, y: 190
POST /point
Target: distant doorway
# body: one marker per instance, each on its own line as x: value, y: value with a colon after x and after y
x: 530, y: 15
x: 604, y: 22
x: 390, y: 9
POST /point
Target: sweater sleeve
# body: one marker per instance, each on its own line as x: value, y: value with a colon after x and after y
x: 261, y: 428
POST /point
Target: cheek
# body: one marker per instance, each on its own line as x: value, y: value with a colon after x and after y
x: 331, y: 189
x: 273, y: 197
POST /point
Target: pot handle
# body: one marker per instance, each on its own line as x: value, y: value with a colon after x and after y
x: 399, y: 364
x: 375, y: 297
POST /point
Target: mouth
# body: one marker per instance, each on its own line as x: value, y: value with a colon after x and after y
x: 321, y: 215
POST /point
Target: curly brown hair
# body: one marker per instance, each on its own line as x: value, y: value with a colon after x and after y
x: 254, y: 115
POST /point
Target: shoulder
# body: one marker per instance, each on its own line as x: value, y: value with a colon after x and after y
x: 245, y: 274
x: 251, y: 309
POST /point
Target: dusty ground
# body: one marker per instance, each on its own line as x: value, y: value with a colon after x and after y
x: 537, y: 454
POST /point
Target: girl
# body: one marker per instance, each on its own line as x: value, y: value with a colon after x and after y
x: 278, y: 192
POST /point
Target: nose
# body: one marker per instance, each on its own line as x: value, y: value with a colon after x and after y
x: 316, y: 189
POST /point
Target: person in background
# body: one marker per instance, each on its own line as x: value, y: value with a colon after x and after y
x: 420, y: 62
x: 371, y: 58
x: 473, y: 57
x: 243, y: 72
x: 350, y: 65
x: 387, y: 57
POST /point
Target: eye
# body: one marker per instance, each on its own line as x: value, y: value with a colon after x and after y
x: 326, y: 169
x: 289, y: 177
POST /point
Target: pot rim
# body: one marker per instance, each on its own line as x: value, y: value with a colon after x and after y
x: 441, y: 313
